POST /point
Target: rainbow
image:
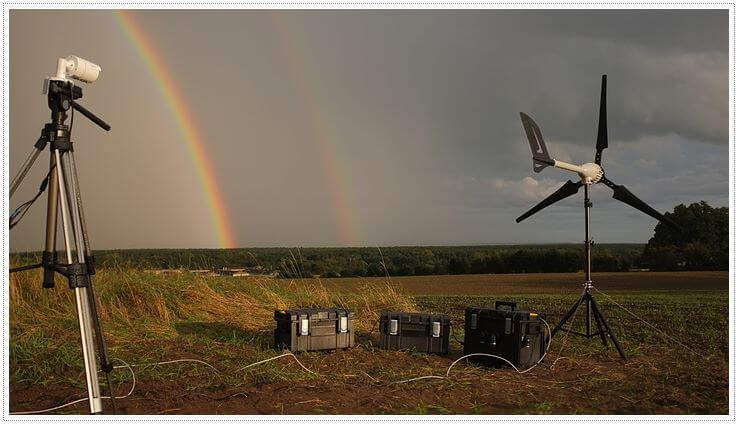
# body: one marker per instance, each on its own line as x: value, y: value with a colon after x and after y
x: 181, y: 113
x: 306, y: 82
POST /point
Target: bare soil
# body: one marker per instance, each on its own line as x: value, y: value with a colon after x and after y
x: 486, y: 284
x: 662, y: 382
x: 660, y: 377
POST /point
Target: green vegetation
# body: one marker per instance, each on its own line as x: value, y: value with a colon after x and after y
x: 703, y: 243
x: 697, y: 319
x: 228, y: 322
x: 369, y: 262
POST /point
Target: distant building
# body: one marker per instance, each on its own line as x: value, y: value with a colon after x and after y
x: 239, y: 271
x: 164, y: 271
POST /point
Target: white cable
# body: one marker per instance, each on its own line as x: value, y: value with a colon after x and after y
x: 419, y: 378
x: 133, y: 375
x: 546, y: 350
x: 133, y: 386
x: 33, y: 412
x: 174, y: 361
x: 133, y: 378
x: 647, y: 323
x: 275, y: 358
x: 564, y: 341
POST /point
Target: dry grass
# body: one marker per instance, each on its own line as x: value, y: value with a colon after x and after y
x: 228, y: 322
x: 140, y: 308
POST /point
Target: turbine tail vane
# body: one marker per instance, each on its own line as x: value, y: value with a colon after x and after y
x: 602, y: 141
x: 536, y: 142
x: 621, y: 193
x: 566, y: 190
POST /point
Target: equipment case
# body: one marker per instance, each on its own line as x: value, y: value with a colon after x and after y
x: 515, y: 335
x: 414, y: 331
x: 313, y: 329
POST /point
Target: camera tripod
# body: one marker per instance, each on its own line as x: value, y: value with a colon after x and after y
x: 64, y: 196
x: 591, y: 306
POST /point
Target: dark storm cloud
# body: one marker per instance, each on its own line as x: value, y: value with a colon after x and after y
x: 414, y: 113
x: 660, y: 32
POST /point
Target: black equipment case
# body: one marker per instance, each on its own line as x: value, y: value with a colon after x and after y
x: 312, y: 329
x: 516, y: 335
x: 415, y: 331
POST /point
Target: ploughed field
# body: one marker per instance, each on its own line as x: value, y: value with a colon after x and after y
x: 555, y: 283
x: 678, y: 361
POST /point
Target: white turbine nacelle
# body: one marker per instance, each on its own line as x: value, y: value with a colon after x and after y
x: 589, y: 173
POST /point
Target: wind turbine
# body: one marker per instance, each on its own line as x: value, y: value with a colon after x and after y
x: 589, y: 174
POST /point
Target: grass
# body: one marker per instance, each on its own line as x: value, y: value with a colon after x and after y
x: 229, y: 322
x: 697, y: 319
x: 147, y: 316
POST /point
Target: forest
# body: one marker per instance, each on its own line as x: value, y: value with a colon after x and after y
x: 702, y: 244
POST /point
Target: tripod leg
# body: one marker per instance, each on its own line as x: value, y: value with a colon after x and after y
x: 81, y: 297
x: 608, y: 329
x: 588, y: 312
x: 567, y: 316
x: 24, y: 170
x: 600, y: 326
x: 52, y: 211
x: 105, y: 361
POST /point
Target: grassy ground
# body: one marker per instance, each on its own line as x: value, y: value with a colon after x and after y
x: 228, y: 323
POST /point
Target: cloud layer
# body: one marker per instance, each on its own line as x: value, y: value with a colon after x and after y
x: 413, y: 115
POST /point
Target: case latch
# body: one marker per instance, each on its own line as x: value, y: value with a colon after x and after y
x: 304, y: 326
x: 436, y: 329
x: 393, y: 327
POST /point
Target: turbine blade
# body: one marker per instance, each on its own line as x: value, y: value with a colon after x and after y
x: 568, y: 189
x: 602, y: 141
x: 536, y: 142
x: 624, y: 195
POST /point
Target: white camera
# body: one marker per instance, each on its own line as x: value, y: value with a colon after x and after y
x: 77, y: 68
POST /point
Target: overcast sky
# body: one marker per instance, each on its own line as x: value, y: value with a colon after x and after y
x: 335, y: 128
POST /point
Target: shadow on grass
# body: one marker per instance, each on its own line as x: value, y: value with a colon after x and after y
x: 223, y: 332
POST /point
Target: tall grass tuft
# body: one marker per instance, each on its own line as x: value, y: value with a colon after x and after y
x: 143, y: 310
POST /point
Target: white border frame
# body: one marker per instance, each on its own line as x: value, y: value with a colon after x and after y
x: 419, y: 419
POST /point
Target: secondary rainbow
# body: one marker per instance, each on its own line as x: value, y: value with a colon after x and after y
x: 304, y: 76
x: 181, y: 113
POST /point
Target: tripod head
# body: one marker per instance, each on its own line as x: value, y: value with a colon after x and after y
x: 61, y: 97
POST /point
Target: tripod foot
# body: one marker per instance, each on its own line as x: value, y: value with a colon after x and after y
x: 603, y: 328
x: 598, y: 323
x: 598, y: 313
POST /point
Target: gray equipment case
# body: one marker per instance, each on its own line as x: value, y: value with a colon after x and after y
x: 313, y: 329
x: 423, y: 332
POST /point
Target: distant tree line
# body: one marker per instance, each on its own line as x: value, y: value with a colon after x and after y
x: 702, y: 245
x: 395, y: 261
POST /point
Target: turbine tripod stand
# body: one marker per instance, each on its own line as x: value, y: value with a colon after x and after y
x: 589, y: 174
x: 591, y: 306
x: 64, y: 195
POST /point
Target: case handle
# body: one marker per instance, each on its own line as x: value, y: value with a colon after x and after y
x: 510, y: 306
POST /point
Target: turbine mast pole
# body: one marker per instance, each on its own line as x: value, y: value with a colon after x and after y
x: 588, y: 261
